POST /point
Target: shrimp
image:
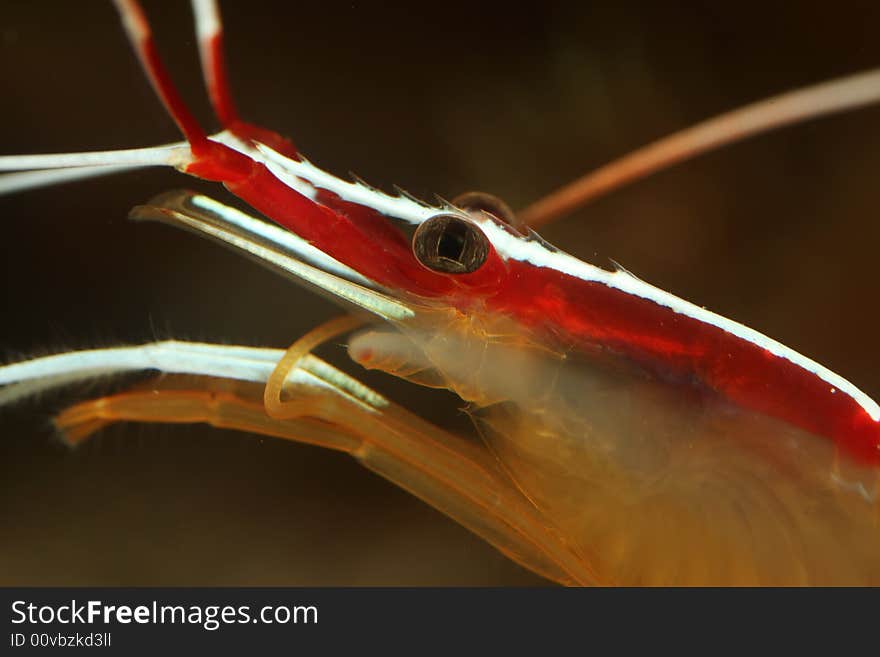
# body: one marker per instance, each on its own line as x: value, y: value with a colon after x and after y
x: 648, y: 244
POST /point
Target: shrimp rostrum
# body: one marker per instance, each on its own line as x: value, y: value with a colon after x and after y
x: 628, y: 436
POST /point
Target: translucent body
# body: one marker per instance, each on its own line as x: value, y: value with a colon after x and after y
x: 651, y: 483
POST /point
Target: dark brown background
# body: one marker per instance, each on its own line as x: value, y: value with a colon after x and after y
x: 780, y: 232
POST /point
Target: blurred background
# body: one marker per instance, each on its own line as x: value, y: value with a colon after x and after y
x: 780, y: 233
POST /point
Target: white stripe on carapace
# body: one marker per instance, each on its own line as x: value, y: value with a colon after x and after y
x: 508, y: 245
x: 533, y: 252
x: 303, y: 177
x: 399, y: 207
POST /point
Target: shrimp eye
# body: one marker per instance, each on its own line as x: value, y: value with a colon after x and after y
x: 448, y: 244
x: 483, y: 202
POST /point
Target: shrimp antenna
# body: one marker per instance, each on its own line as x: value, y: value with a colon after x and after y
x: 49, y: 169
x: 211, y: 160
x: 811, y: 102
x: 134, y: 20
x: 34, y: 171
x: 209, y: 31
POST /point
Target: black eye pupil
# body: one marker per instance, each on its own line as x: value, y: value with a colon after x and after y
x: 451, y: 244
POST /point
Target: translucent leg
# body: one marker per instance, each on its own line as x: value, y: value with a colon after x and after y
x: 450, y: 473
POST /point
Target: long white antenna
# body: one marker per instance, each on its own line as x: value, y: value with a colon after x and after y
x: 177, y: 154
